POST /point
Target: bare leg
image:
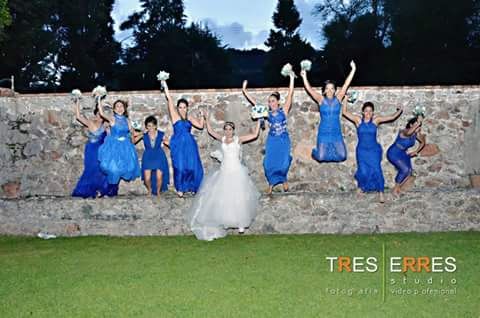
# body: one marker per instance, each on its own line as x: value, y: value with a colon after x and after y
x: 381, y: 198
x: 396, y: 189
x: 269, y: 190
x: 147, y: 177
x: 285, y: 186
x: 360, y: 193
x: 159, y: 181
x: 407, y: 183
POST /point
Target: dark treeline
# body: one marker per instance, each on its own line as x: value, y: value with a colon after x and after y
x: 54, y: 45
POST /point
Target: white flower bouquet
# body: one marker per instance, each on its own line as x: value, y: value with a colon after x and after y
x: 76, y: 95
x: 259, y: 111
x: 99, y: 92
x: 306, y: 65
x: 287, y: 70
x: 163, y: 76
x: 419, y: 111
x: 136, y: 125
x: 352, y: 97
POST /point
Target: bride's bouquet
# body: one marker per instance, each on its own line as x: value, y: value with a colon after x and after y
x: 76, y: 95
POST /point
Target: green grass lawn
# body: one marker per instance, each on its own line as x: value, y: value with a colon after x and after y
x: 239, y: 276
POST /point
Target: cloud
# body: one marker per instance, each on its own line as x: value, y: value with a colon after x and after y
x: 120, y: 13
x: 235, y: 36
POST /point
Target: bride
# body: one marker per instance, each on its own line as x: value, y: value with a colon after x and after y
x: 228, y: 197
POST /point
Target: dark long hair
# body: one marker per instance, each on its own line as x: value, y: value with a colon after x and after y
x: 125, y: 105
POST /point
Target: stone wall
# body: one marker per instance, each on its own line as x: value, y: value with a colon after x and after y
x: 295, y: 213
x: 41, y: 144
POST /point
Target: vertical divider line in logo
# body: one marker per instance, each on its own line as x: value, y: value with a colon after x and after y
x: 383, y: 273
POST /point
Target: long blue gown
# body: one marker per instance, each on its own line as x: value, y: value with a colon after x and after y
x: 93, y: 181
x: 330, y: 144
x: 369, y: 173
x: 276, y: 162
x: 118, y: 157
x: 187, y: 167
x: 154, y: 159
x: 397, y: 155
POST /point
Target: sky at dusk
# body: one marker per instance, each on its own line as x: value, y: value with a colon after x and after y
x: 239, y: 24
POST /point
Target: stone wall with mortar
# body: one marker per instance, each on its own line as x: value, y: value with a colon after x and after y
x: 293, y: 213
x: 41, y: 144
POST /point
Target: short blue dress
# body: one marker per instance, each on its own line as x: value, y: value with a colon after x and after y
x: 154, y: 159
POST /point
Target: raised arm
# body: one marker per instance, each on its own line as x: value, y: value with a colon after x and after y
x: 210, y: 130
x: 198, y: 123
x: 172, y: 111
x: 84, y: 121
x: 250, y: 137
x: 250, y: 99
x: 348, y: 80
x: 350, y: 116
x: 385, y: 119
x: 100, y: 105
x: 288, y: 101
x: 317, y: 97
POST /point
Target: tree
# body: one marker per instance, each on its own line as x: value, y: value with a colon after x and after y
x: 29, y: 42
x: 88, y: 51
x: 162, y: 41
x: 5, y: 18
x: 354, y: 30
x: 430, y: 40
x: 403, y: 42
x: 286, y: 45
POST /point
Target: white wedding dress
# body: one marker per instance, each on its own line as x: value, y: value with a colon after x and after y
x: 227, y: 198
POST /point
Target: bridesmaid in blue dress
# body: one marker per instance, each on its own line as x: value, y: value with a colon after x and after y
x: 398, y: 155
x: 187, y: 166
x: 118, y: 157
x: 277, y: 160
x: 369, y: 173
x: 154, y: 160
x: 330, y: 145
x: 93, y: 181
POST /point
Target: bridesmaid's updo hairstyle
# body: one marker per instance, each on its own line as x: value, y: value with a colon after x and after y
x: 182, y: 100
x: 125, y: 105
x: 276, y: 95
x: 411, y: 122
x: 151, y: 119
x: 368, y: 104
x: 229, y: 123
x: 326, y: 83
